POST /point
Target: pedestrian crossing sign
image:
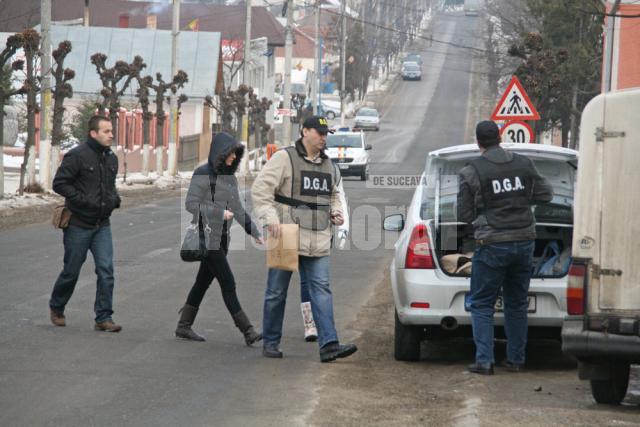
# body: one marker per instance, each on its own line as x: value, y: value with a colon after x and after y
x: 515, y: 104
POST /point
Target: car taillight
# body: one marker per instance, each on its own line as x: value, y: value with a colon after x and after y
x: 575, y: 289
x: 419, y: 250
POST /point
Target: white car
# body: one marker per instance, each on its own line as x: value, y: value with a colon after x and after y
x: 429, y: 301
x: 367, y: 118
x: 349, y: 151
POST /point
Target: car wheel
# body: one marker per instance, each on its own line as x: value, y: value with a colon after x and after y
x: 611, y: 391
x: 407, y: 341
x: 331, y: 115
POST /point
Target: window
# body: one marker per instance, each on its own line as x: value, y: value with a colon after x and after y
x: 340, y: 140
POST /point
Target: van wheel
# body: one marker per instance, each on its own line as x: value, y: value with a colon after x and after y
x: 331, y: 115
x: 612, y: 390
x: 407, y: 341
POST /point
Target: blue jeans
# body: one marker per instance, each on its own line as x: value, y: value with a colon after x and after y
x: 505, y: 266
x: 315, y: 272
x: 77, y: 242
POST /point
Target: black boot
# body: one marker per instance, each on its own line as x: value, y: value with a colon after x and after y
x: 242, y: 322
x: 187, y: 317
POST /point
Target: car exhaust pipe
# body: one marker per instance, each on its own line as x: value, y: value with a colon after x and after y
x: 449, y: 323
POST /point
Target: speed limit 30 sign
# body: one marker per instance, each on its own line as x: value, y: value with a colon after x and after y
x: 517, y: 132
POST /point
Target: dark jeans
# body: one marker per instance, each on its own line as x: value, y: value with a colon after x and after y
x: 77, y: 242
x: 505, y: 266
x: 216, y: 266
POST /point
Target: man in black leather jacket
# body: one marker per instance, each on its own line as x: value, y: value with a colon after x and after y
x: 87, y: 180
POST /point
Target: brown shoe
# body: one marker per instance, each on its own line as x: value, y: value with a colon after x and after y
x: 58, y: 319
x: 107, y: 326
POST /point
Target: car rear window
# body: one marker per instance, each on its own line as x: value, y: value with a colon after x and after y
x: 368, y: 113
x: 349, y: 141
x: 411, y: 68
x: 560, y: 173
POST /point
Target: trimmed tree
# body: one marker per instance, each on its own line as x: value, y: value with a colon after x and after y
x: 31, y: 46
x: 115, y: 82
x: 6, y: 90
x: 161, y: 88
x: 144, y: 84
x: 61, y: 91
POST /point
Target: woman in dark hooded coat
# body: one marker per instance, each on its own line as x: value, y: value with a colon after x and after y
x: 213, y: 194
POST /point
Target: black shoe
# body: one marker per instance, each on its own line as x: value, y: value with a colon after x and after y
x: 512, y: 367
x: 333, y: 351
x: 481, y: 368
x: 271, y: 351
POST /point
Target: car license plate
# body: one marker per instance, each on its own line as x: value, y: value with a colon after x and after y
x: 499, y: 307
x: 343, y: 166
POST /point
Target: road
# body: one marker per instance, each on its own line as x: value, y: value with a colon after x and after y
x: 75, y: 376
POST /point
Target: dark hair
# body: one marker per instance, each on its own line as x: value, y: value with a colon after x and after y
x: 94, y: 123
x: 486, y: 143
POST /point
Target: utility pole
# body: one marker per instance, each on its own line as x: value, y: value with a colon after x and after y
x: 85, y: 21
x: 288, y: 51
x: 247, y: 45
x: 608, y: 58
x: 343, y: 62
x: 45, y: 99
x: 315, y: 89
x: 173, y: 110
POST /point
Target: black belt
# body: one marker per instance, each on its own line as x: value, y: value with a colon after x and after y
x: 297, y: 203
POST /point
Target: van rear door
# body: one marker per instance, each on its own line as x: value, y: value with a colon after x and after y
x: 607, y: 225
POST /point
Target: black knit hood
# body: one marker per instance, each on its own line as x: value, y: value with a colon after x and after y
x: 222, y: 145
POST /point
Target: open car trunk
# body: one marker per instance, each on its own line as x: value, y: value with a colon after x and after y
x: 454, y: 246
x: 454, y: 242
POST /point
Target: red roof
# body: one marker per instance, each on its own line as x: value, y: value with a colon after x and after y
x: 228, y: 20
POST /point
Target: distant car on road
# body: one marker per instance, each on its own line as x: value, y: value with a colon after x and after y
x: 413, y: 57
x: 329, y: 109
x: 411, y: 71
x: 348, y: 150
x: 367, y: 118
x: 430, y: 272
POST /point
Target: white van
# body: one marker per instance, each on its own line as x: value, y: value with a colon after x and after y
x: 603, y: 296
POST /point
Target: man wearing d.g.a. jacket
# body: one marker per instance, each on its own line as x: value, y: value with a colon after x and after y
x: 301, y: 185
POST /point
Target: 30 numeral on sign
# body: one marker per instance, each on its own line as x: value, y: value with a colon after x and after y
x: 517, y: 133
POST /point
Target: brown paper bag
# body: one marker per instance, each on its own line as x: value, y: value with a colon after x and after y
x: 282, y: 252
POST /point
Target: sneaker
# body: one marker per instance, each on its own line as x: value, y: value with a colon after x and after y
x: 58, y: 319
x: 272, y: 352
x: 335, y: 350
x: 481, y: 368
x: 107, y: 326
x: 512, y: 367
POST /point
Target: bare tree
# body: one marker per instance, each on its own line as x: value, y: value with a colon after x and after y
x: 31, y: 46
x: 144, y: 84
x: 14, y: 43
x: 161, y: 88
x: 112, y: 89
x: 62, y: 90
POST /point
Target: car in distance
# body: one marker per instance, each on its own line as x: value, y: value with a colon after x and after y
x: 411, y: 71
x: 349, y: 151
x: 367, y: 119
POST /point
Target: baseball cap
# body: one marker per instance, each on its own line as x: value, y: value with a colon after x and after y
x: 487, y: 131
x: 318, y: 123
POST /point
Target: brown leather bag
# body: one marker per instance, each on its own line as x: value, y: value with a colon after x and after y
x: 61, y: 216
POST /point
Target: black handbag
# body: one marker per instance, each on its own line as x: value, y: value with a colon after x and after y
x: 196, y: 239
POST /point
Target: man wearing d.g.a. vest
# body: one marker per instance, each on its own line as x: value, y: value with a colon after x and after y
x: 506, y: 191
x: 300, y: 185
x: 496, y: 195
